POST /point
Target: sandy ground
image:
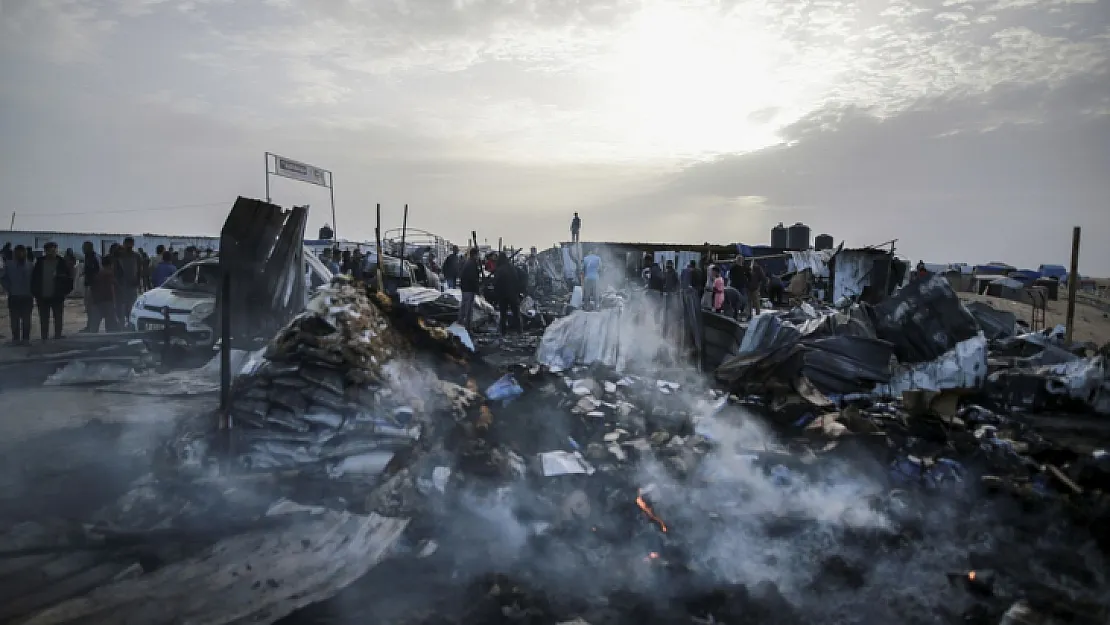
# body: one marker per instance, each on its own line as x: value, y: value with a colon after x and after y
x: 73, y: 319
x: 1092, y: 317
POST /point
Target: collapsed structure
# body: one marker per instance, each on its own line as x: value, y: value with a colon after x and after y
x: 878, y: 463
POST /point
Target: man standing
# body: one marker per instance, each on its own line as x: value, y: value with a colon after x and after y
x: 738, y: 275
x: 686, y: 280
x: 670, y: 278
x: 591, y: 272
x: 163, y: 271
x: 575, y: 227
x: 103, y: 297
x: 17, y: 282
x: 755, y: 286
x: 128, y: 278
x: 144, y: 270
x: 507, y: 293
x: 92, y: 270
x: 51, y: 281
x: 451, y: 266
x: 7, y: 254
x: 470, y: 283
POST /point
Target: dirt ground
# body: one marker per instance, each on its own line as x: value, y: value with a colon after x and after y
x: 73, y: 320
x: 1092, y: 319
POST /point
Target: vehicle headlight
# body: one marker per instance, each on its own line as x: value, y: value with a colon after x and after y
x: 139, y: 303
x: 202, y: 310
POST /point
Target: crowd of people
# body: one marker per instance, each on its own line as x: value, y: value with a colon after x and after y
x: 110, y: 283
x: 735, y: 289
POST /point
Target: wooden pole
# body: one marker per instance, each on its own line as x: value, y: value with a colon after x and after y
x: 1073, y: 283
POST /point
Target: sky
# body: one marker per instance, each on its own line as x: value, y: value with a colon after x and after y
x: 968, y: 130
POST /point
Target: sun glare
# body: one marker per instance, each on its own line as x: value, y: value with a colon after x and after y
x: 695, y: 83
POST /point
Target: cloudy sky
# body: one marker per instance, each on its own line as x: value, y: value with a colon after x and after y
x: 970, y: 130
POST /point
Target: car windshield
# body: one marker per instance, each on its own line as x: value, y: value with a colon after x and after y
x: 203, y: 277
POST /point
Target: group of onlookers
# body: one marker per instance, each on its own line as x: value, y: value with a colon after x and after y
x: 111, y: 283
x: 44, y: 283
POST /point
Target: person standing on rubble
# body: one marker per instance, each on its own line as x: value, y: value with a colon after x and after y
x: 738, y: 275
x: 51, y: 281
x: 591, y: 272
x: 470, y: 282
x: 128, y: 277
x: 16, y: 281
x: 755, y: 287
x: 718, y: 289
x: 92, y: 269
x: 7, y: 253
x: 451, y: 266
x: 506, y: 292
x: 670, y: 278
x: 686, y: 278
x: 575, y: 228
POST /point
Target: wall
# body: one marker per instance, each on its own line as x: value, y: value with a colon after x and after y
x: 103, y: 240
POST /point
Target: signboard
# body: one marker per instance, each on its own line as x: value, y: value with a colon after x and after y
x: 300, y: 171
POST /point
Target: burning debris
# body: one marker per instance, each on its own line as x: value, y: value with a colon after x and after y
x: 436, y: 487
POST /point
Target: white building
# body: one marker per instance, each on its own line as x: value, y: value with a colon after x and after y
x: 35, y: 239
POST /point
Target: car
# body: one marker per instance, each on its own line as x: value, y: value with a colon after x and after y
x: 188, y: 299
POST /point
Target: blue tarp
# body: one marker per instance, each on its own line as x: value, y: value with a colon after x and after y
x: 1053, y: 271
x: 1025, y: 276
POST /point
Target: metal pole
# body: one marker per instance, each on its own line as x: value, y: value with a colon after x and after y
x: 267, y: 177
x: 1073, y: 283
x: 225, y: 352
x: 331, y: 191
x: 378, y: 245
x: 12, y: 225
x: 404, y: 228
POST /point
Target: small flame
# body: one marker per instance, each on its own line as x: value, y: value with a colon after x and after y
x: 648, y: 511
x: 971, y: 576
x: 651, y: 556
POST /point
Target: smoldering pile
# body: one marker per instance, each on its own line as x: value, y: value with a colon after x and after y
x: 684, y: 508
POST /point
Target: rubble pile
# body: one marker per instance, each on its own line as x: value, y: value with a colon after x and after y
x: 856, y: 466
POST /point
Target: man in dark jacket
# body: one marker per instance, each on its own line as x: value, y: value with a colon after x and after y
x: 670, y: 278
x: 451, y: 266
x: 507, y: 292
x: 470, y: 282
x: 92, y: 269
x: 16, y: 281
x: 128, y: 278
x: 51, y: 281
x: 738, y: 274
x: 755, y: 286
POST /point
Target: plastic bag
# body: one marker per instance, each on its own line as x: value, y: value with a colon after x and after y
x: 504, y: 389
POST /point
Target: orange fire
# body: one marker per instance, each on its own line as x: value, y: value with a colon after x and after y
x: 648, y: 511
x: 651, y: 556
x: 971, y: 576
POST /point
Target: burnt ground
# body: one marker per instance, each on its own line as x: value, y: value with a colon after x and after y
x: 65, y: 452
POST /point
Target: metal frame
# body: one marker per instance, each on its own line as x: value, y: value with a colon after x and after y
x: 330, y: 186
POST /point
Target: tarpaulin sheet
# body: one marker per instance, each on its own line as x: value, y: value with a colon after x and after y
x: 846, y: 364
x: 815, y: 261
x: 995, y: 324
x: 924, y: 320
x: 963, y: 367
